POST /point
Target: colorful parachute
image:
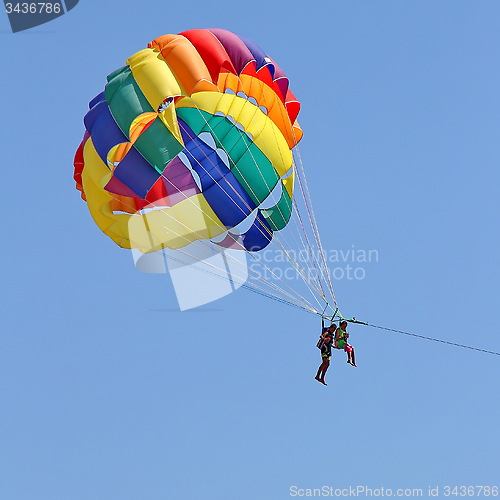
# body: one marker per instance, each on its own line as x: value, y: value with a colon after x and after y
x: 191, y: 141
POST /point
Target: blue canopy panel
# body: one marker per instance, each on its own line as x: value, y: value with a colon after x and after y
x: 258, y: 236
x: 102, y: 127
x: 255, y: 238
x: 204, y: 161
x: 136, y: 173
x: 230, y: 202
x: 227, y: 198
x: 98, y: 98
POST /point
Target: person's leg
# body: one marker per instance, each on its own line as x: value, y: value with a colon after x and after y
x: 349, y: 349
x: 353, y: 363
x: 323, y: 368
x: 320, y: 369
x: 325, y: 365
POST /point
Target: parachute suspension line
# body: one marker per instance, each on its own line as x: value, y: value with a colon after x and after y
x: 312, y: 219
x: 304, y: 189
x: 294, y: 296
x: 276, y: 238
x: 311, y: 254
x: 310, y: 249
x: 279, y: 299
x: 251, y: 287
x: 323, y: 314
x: 302, y: 304
x: 325, y: 269
x: 269, y: 233
x: 301, y: 227
x: 268, y: 283
x: 297, y: 297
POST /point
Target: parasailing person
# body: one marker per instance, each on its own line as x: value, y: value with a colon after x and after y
x: 325, y: 343
x: 341, y: 342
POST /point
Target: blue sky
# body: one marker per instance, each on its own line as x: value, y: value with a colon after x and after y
x: 108, y: 392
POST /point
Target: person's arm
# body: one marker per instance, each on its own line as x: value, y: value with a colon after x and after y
x: 324, y: 348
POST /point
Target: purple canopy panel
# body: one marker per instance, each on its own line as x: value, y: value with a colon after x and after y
x: 178, y: 181
x: 237, y: 50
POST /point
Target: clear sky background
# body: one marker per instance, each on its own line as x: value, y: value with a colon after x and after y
x: 107, y: 392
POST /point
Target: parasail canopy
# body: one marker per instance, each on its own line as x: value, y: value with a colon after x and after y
x: 192, y: 143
